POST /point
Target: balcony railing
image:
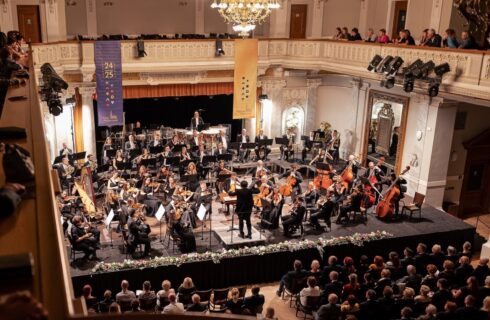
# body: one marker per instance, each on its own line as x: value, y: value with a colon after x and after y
x: 469, y: 76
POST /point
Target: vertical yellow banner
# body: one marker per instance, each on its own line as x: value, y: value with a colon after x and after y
x: 245, y: 79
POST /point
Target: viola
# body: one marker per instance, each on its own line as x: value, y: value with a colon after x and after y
x: 386, y: 205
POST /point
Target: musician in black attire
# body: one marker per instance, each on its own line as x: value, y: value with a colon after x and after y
x: 204, y: 196
x: 295, y: 174
x: 394, y: 141
x: 85, y: 240
x: 199, y: 155
x: 307, y: 146
x: 196, y: 121
x: 352, y: 163
x: 139, y: 233
x: 266, y: 149
x: 243, y: 138
x: 187, y: 238
x: 295, y: 217
x: 287, y: 150
x: 401, y: 186
x: 354, y: 205
x: 244, y: 205
x: 131, y: 144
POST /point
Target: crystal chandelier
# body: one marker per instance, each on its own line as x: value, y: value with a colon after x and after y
x: 245, y: 14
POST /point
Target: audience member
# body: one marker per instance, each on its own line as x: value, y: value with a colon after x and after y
x: 254, y: 302
x: 481, y: 271
x: 370, y: 36
x: 354, y: 35
x: 406, y: 313
x: 423, y: 37
x: 349, y: 306
x: 173, y: 307
x: 106, y: 303
x: 369, y: 308
x: 338, y: 34
x: 315, y: 270
x: 433, y: 39
x: 187, y: 288
x: 125, y: 293
x: 312, y: 290
x: 469, y: 311
x: 287, y: 280
x: 166, y: 287
x: 464, y: 270
x: 442, y: 295
x: 234, y: 304
x: 449, y: 312
x: 486, y: 41
x: 382, y: 36
x: 430, y: 279
x: 423, y: 296
x: 405, y: 38
x: 135, y: 306
x: 467, y: 41
x: 345, y: 33
x: 449, y: 39
x: 114, y: 308
x: 331, y: 310
x: 196, y: 304
x: 269, y: 314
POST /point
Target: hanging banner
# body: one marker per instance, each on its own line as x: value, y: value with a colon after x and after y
x: 108, y: 71
x: 245, y: 80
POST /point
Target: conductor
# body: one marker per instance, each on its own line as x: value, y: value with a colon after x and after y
x: 196, y: 121
x: 244, y: 205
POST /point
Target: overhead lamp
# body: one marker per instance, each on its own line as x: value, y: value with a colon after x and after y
x: 374, y: 62
x: 424, y: 70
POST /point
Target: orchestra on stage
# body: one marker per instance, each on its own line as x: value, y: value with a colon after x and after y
x: 183, y: 172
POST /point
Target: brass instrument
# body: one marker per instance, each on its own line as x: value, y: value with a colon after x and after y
x: 68, y: 170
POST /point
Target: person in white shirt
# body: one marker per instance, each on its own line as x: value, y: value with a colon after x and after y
x: 173, y: 307
x: 222, y: 138
x: 311, y: 291
x: 125, y: 293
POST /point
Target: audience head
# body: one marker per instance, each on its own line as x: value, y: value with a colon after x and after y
x: 87, y: 290
x: 408, y: 293
x: 431, y: 33
x: 407, y: 252
x: 187, y: 283
x: 196, y: 298
x: 146, y: 286
x: 297, y: 265
x: 436, y: 248
x: 421, y: 248
x: 487, y: 281
x: 451, y: 250
x: 269, y: 312
x: 382, y: 32
x: 385, y: 273
x: 315, y: 265
x: 387, y: 292
x: 450, y: 306
x: 483, y: 262
x: 311, y: 282
x: 135, y: 304
x: 411, y: 270
x: 334, y: 275
x: 486, y: 304
x: 166, y: 285
x: 406, y: 312
x: 467, y: 246
x: 378, y: 261
x: 353, y: 279
x: 469, y: 301
x: 370, y: 294
x: 332, y: 298
x: 442, y: 284
x: 114, y: 308
x: 255, y: 290
x: 124, y: 285
x: 332, y: 260
x: 431, y: 269
x: 448, y: 265
x: 424, y: 290
x: 465, y: 35
x: 431, y: 310
x: 107, y: 294
x: 464, y: 260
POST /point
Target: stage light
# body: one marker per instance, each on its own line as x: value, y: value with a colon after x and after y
x: 55, y: 107
x: 408, y: 82
x: 263, y: 97
x: 434, y: 87
x: 374, y: 62
x: 393, y: 66
x: 414, y: 65
x: 52, y: 79
x: 441, y: 69
x: 424, y: 70
x: 383, y: 64
x: 140, y: 46
x: 219, y: 48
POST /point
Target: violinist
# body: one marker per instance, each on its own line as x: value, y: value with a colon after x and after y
x: 296, y: 216
x: 127, y: 210
x: 141, y: 176
x: 118, y: 160
x: 219, y: 172
x: 353, y: 204
x: 271, y: 215
x: 264, y: 186
x: 113, y: 183
x: 311, y: 194
x: 184, y: 155
x: 188, y: 240
x: 204, y: 196
x: 199, y: 156
x: 147, y: 196
x: 139, y: 233
x: 324, y: 210
x: 170, y: 187
x: 112, y: 201
x: 293, y: 180
x: 85, y: 238
x: 261, y: 151
x: 192, y: 171
x: 163, y: 173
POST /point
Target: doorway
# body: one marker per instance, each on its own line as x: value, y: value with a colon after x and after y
x: 29, y: 23
x: 297, y: 26
x: 399, y: 17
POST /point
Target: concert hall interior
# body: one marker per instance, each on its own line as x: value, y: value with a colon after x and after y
x: 240, y: 159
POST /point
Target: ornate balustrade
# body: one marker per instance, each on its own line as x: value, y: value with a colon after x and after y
x: 469, y: 76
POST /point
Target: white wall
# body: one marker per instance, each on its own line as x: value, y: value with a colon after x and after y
x: 477, y: 121
x: 76, y: 19
x: 155, y: 16
x: 340, y: 13
x: 213, y: 21
x: 419, y: 16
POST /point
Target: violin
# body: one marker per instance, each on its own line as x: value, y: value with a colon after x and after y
x: 386, y: 205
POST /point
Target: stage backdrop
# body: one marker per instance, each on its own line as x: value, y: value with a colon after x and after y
x: 245, y: 78
x: 108, y: 70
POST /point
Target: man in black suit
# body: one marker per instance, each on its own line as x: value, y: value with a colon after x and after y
x: 266, y: 149
x: 223, y: 140
x: 140, y: 233
x: 196, y: 121
x: 243, y: 138
x: 329, y: 311
x: 131, y: 144
x: 295, y: 217
x: 65, y: 151
x: 433, y: 39
x: 369, y: 308
x: 394, y: 141
x: 287, y: 150
x: 334, y: 286
x: 297, y: 273
x: 244, y: 205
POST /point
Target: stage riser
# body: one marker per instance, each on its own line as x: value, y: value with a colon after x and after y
x: 258, y: 269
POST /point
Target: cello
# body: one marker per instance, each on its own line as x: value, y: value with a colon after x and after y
x: 386, y: 205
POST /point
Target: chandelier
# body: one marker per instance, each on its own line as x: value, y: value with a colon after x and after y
x: 245, y: 14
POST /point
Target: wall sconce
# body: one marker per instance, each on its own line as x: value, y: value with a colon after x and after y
x: 71, y: 3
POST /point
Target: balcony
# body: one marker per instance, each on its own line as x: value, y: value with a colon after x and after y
x: 193, y: 61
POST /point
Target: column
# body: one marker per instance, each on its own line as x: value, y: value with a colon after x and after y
x: 88, y: 119
x: 91, y: 10
x: 317, y: 20
x: 6, y: 16
x: 199, y: 17
x: 427, y: 146
x: 55, y: 21
x: 311, y: 105
x: 278, y: 21
x: 272, y: 108
x: 362, y: 115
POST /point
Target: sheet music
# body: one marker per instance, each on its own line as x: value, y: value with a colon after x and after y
x: 202, y: 212
x: 160, y: 213
x: 109, y: 218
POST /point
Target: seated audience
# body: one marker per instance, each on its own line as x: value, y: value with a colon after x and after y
x: 254, y: 302
x: 442, y: 295
x: 164, y: 292
x: 186, y: 289
x: 449, y: 39
x: 331, y: 310
x: 125, y: 293
x: 433, y: 39
x: 423, y: 296
x: 135, y: 306
x: 338, y: 34
x: 234, y: 304
x: 114, y: 308
x: 312, y: 290
x: 467, y: 41
x: 370, y: 36
x: 382, y: 36
x: 106, y: 303
x: 287, y: 280
x: 269, y: 314
x: 481, y: 271
x: 315, y: 270
x: 369, y: 308
x: 469, y: 311
x: 196, y: 304
x: 354, y: 35
x: 464, y: 270
x: 405, y: 38
x: 90, y: 300
x: 350, y: 306
x: 173, y: 307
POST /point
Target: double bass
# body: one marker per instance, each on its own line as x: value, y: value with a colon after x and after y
x: 322, y: 179
x: 386, y: 205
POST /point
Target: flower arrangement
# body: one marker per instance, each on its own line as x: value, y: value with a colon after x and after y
x: 357, y: 239
x: 292, y: 120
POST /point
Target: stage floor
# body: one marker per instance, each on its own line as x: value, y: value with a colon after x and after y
x: 435, y: 224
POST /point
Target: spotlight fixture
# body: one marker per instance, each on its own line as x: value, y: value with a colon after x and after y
x: 374, y: 62
x: 384, y: 64
x: 55, y: 107
x: 424, y: 70
x: 140, y: 46
x: 263, y: 97
x: 408, y: 82
x: 52, y: 86
x: 219, y: 48
x: 414, y: 65
x: 388, y: 82
x: 393, y: 66
x: 441, y: 69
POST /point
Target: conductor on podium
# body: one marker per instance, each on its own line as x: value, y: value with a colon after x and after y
x: 244, y: 205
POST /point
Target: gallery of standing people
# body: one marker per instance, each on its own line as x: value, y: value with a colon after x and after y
x: 241, y: 159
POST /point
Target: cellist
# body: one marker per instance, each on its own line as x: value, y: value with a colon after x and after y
x: 400, y: 185
x: 349, y: 171
x: 375, y: 176
x: 293, y: 179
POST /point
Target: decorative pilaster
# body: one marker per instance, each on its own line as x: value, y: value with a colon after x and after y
x: 91, y: 9
x: 55, y: 20
x: 88, y: 119
x: 199, y: 16
x: 6, y: 18
x: 278, y: 21
x: 317, y: 19
x: 311, y: 105
x: 271, y: 109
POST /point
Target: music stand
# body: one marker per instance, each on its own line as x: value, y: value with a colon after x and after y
x: 225, y: 157
x: 282, y: 141
x: 149, y: 162
x: 58, y: 159
x: 133, y: 153
x: 266, y: 204
x: 174, y: 161
x: 265, y: 142
x: 110, y: 153
x: 155, y: 150
x: 103, y: 168
x: 77, y: 156
x: 234, y: 146
x: 208, y: 159
x: 204, y: 126
x: 188, y: 178
x: 178, y: 148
